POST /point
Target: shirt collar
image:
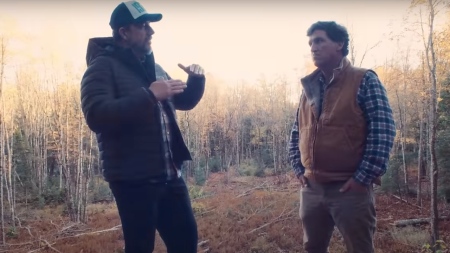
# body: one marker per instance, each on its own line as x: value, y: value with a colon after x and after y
x: 337, y: 69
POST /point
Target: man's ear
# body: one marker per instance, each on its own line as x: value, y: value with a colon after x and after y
x: 122, y: 33
x: 340, y: 45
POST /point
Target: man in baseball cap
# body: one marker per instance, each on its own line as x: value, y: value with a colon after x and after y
x: 129, y: 101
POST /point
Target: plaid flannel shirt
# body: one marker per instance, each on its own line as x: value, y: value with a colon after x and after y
x: 374, y: 103
x: 172, y: 171
x: 166, y: 121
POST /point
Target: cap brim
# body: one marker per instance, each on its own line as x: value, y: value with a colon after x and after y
x: 150, y: 17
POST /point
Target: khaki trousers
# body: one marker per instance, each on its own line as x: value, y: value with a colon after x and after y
x: 322, y: 207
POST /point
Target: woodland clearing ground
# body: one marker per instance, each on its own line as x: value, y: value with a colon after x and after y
x: 244, y: 214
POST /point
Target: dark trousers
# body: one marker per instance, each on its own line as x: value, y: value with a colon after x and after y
x: 145, y: 207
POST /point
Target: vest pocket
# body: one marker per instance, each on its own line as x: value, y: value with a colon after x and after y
x: 334, y: 151
x: 333, y: 138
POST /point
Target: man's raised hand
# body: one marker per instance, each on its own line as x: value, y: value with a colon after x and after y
x: 194, y: 69
x: 163, y: 89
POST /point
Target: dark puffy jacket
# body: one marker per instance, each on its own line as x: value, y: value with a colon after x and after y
x: 122, y: 111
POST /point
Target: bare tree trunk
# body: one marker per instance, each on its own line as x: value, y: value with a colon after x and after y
x: 61, y: 160
x: 431, y: 62
x: 2, y: 166
x: 238, y: 148
x: 8, y: 178
x: 88, y: 177
x: 274, y: 148
x: 79, y: 173
x: 433, y: 171
x: 402, y: 142
x: 2, y: 137
x: 44, y: 147
x: 420, y: 159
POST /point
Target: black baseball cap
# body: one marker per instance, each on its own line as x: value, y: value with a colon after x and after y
x: 131, y: 12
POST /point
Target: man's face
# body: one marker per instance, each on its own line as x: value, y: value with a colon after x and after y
x: 323, y: 49
x: 139, y: 37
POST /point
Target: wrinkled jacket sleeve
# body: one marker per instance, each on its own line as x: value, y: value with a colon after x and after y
x: 190, y: 97
x: 102, y: 110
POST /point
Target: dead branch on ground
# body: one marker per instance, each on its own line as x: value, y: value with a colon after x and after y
x: 415, y: 222
x: 403, y: 200
x: 46, y: 245
x: 281, y: 217
x: 94, y: 232
x: 202, y: 243
x: 261, y: 186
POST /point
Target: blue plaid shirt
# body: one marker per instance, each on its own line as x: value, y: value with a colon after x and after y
x: 373, y: 101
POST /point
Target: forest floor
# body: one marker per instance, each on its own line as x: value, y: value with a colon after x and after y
x: 243, y: 214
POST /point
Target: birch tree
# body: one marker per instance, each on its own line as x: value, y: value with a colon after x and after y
x: 432, y: 8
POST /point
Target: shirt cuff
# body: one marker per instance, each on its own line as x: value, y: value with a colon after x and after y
x: 299, y: 170
x: 363, y: 178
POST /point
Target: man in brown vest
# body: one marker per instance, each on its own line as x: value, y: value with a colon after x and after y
x: 339, y: 144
